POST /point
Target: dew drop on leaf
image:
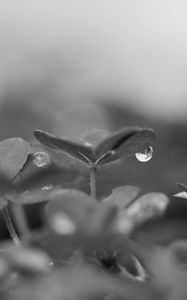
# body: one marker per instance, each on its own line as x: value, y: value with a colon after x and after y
x: 62, y: 224
x: 41, y: 159
x: 145, y: 155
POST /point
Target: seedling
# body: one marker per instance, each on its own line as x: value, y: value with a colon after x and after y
x: 99, y: 148
x: 84, y: 249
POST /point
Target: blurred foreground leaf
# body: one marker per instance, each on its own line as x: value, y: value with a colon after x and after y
x: 122, y: 196
x: 88, y: 216
x: 146, y: 207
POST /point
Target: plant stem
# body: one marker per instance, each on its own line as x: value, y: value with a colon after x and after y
x: 93, y: 170
x: 10, y: 226
x: 20, y: 219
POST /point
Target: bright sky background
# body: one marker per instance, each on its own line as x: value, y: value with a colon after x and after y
x: 135, y: 48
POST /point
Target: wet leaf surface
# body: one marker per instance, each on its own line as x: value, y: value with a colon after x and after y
x: 117, y: 145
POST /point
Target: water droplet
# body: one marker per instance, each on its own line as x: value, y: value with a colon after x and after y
x: 41, y: 159
x: 145, y: 155
x: 62, y: 224
x: 47, y: 187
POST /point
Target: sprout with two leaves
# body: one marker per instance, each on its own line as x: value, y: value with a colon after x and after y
x: 98, y: 147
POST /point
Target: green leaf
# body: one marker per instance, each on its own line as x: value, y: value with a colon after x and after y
x: 122, y: 196
x: 13, y: 155
x: 76, y: 150
x: 124, y: 143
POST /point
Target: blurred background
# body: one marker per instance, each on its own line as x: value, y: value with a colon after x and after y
x: 70, y: 65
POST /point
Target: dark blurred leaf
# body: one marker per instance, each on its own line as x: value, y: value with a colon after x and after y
x: 3, y: 203
x: 76, y: 150
x: 183, y: 193
x: 122, y: 196
x: 59, y: 247
x: 39, y: 288
x: 30, y: 197
x: 79, y: 282
x: 4, y: 269
x: 13, y: 156
x: 179, y: 251
x: 163, y: 268
x: 124, y: 143
x: 182, y: 187
x: 102, y: 221
x: 28, y: 261
x: 88, y: 217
